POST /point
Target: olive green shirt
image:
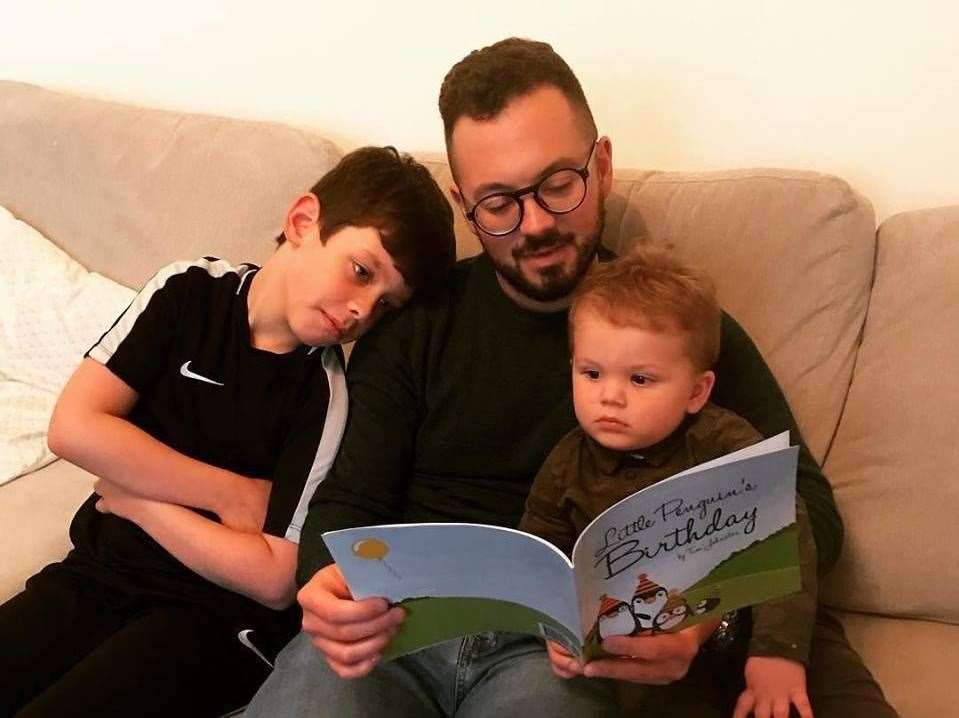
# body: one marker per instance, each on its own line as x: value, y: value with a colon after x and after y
x: 580, y: 479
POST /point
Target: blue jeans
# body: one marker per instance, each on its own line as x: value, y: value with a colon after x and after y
x: 487, y: 674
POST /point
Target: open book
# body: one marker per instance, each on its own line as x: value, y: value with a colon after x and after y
x: 718, y: 536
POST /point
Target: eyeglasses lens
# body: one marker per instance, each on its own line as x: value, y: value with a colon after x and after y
x: 560, y: 192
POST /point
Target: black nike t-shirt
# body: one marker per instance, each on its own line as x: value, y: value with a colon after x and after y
x: 184, y: 346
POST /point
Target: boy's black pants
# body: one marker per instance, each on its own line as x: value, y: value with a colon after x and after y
x: 72, y: 647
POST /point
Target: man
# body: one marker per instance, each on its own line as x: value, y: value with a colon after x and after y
x: 456, y: 402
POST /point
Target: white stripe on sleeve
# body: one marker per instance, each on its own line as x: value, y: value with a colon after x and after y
x: 333, y: 428
x: 111, y: 341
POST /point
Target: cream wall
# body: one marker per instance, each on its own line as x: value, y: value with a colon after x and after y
x: 861, y: 89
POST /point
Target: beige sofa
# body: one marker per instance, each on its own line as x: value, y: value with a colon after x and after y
x: 861, y: 327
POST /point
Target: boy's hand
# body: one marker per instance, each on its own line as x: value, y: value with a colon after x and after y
x: 772, y: 684
x: 243, y: 508
x: 114, y: 499
x: 564, y: 663
x: 350, y: 634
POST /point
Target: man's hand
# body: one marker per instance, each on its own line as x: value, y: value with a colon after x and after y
x: 772, y: 684
x: 350, y: 634
x: 243, y: 507
x: 564, y: 663
x: 658, y: 659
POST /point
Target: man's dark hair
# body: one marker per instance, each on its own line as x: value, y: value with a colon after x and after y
x: 481, y: 84
x: 379, y: 187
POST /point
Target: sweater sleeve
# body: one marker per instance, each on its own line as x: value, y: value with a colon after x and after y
x: 367, y: 481
x: 545, y: 516
x: 783, y: 627
x: 746, y: 386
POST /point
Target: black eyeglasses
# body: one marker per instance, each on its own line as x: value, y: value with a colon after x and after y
x: 559, y: 192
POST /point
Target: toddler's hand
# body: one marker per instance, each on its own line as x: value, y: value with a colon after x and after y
x: 772, y: 684
x: 564, y: 663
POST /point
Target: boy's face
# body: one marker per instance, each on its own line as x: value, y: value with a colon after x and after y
x: 632, y: 387
x: 337, y: 291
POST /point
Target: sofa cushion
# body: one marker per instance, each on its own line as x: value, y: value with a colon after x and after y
x: 35, y: 513
x: 910, y: 660
x: 893, y: 463
x: 128, y: 190
x: 803, y: 242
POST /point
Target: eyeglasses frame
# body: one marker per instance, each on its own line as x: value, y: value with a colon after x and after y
x: 533, y: 189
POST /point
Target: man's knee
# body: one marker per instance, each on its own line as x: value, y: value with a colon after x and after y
x: 303, y: 684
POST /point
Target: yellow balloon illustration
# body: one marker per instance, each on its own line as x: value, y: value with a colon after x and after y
x: 374, y: 549
x: 371, y: 548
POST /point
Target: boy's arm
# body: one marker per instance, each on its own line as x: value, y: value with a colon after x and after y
x: 746, y: 386
x: 88, y: 429
x: 256, y: 565
x: 782, y: 628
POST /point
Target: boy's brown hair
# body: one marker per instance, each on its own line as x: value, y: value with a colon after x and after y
x: 481, y: 84
x: 381, y: 188
x: 651, y: 289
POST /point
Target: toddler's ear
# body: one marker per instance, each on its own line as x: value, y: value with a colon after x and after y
x: 302, y: 218
x: 701, y: 391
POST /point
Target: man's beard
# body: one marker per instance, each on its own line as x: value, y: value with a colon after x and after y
x: 555, y: 281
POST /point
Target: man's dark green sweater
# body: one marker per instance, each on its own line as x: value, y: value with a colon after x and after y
x: 456, y: 402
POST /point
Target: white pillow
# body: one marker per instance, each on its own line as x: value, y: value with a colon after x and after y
x: 51, y: 311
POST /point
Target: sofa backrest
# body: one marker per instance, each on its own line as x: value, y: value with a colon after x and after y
x: 893, y: 463
x: 126, y: 190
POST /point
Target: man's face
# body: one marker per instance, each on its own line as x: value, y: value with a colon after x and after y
x: 543, y: 259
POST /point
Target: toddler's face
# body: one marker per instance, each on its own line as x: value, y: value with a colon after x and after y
x: 632, y: 387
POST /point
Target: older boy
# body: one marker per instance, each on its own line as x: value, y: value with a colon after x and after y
x: 210, y: 411
x: 644, y: 333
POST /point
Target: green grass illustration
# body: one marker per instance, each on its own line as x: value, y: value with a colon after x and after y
x: 433, y: 620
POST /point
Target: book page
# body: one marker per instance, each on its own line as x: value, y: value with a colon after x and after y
x: 773, y: 443
x: 454, y: 579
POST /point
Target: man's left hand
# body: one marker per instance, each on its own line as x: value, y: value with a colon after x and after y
x: 658, y: 659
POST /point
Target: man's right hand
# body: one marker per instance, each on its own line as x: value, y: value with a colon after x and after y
x: 350, y: 634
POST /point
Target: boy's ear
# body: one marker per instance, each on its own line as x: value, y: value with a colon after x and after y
x: 302, y: 219
x: 701, y: 391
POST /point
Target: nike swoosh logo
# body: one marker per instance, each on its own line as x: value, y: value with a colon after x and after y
x: 185, y: 371
x: 244, y: 638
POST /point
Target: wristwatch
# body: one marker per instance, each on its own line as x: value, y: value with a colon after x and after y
x: 725, y: 633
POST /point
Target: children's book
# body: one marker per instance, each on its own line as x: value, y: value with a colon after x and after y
x: 716, y: 537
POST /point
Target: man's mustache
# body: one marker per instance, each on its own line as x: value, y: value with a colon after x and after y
x: 549, y: 240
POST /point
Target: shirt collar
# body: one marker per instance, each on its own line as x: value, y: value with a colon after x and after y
x: 609, y: 461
